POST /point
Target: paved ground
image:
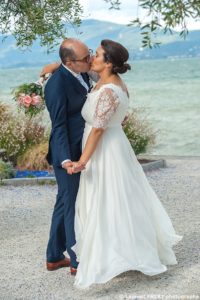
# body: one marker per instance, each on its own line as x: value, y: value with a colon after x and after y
x: 25, y: 214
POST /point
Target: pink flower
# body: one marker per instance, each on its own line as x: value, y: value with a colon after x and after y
x: 36, y: 100
x: 20, y: 99
x: 27, y: 100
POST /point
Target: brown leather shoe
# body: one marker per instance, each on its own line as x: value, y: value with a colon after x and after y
x: 57, y: 265
x: 73, y: 271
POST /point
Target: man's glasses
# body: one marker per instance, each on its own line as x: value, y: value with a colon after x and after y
x: 85, y: 59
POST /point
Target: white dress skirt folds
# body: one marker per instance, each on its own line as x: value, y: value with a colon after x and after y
x: 120, y: 224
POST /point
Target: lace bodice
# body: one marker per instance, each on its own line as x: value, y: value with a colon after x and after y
x: 105, y: 107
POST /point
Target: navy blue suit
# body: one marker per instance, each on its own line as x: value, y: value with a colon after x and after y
x: 65, y: 97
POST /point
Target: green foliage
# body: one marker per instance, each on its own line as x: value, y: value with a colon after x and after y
x: 139, y: 132
x: 163, y: 15
x: 114, y: 4
x: 45, y: 19
x: 28, y: 88
x: 6, y: 170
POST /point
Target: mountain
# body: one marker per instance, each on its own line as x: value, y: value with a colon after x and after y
x: 92, y: 32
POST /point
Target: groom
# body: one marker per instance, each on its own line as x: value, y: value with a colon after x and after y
x: 65, y: 95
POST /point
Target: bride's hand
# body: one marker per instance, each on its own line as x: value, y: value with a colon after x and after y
x: 78, y: 166
x: 50, y: 68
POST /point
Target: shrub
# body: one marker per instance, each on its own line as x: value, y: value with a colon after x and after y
x: 3, y: 111
x: 25, y: 140
x: 34, y: 158
x: 18, y: 133
x: 139, y: 132
x: 6, y: 170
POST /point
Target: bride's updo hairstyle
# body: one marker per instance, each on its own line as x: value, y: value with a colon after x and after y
x: 116, y: 54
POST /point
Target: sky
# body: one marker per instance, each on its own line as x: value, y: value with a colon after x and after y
x: 99, y: 9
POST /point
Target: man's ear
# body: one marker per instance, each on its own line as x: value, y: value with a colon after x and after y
x: 68, y: 64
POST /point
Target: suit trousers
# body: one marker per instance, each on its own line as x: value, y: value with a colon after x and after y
x: 62, y: 234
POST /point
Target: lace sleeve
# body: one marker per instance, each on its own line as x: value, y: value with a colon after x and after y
x: 106, y: 107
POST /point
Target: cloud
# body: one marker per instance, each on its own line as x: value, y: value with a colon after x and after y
x: 99, y: 10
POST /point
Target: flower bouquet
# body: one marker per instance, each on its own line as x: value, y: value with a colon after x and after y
x: 30, y: 98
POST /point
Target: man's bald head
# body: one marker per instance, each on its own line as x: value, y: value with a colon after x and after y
x: 72, y: 43
x: 73, y: 54
x: 70, y: 48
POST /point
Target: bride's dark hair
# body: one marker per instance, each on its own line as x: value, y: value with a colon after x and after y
x: 116, y: 54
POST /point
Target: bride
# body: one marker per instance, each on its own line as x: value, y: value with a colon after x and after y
x: 120, y: 224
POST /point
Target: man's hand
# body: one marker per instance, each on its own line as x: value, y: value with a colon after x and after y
x: 68, y: 166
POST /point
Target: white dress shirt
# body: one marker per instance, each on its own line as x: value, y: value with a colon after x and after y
x: 81, y: 80
x: 78, y: 76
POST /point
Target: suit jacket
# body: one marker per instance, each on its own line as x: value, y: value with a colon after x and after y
x: 65, y: 97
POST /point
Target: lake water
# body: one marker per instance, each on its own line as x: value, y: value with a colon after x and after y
x: 167, y: 90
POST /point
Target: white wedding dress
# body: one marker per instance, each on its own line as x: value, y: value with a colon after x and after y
x: 120, y: 224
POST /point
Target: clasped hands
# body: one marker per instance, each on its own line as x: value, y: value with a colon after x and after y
x: 73, y: 167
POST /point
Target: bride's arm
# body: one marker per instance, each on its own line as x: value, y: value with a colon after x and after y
x: 91, y: 144
x: 106, y: 106
x: 50, y: 68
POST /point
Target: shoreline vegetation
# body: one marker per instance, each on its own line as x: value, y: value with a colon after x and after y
x: 24, y: 139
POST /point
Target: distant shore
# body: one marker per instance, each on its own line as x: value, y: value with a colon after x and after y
x: 132, y: 62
